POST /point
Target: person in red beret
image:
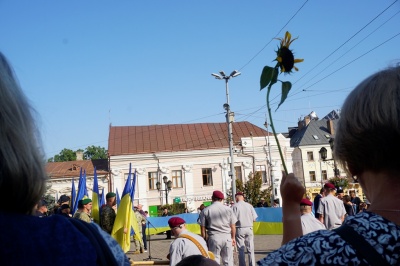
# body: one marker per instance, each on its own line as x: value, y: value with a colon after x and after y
x: 308, y: 222
x: 331, y: 209
x: 185, y: 244
x: 219, y: 221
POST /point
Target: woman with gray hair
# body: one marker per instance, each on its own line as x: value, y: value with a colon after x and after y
x: 25, y: 238
x: 366, y: 143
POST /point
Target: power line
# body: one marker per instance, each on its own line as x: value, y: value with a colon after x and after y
x: 340, y: 68
x: 362, y: 40
x: 262, y: 49
x: 323, y: 60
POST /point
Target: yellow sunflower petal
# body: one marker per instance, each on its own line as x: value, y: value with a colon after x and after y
x: 288, y: 44
x: 279, y: 59
x: 288, y: 36
x: 298, y: 60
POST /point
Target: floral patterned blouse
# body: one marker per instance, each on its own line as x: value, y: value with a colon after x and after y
x: 328, y: 248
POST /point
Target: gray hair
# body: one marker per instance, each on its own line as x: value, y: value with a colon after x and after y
x: 22, y: 174
x: 368, y: 134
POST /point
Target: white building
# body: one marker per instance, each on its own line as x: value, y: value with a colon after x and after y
x: 61, y: 174
x: 307, y: 140
x: 194, y: 157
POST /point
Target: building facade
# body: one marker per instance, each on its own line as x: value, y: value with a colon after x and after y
x: 62, y: 174
x: 309, y: 166
x: 193, y: 157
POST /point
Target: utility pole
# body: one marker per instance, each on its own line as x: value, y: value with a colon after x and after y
x: 229, y: 121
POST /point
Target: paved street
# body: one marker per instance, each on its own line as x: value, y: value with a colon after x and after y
x: 159, y: 246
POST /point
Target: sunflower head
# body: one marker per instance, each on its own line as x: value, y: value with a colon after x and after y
x: 285, y: 56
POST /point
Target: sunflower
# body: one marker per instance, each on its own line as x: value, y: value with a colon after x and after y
x: 285, y: 56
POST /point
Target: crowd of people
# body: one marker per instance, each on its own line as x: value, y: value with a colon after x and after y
x: 357, y: 233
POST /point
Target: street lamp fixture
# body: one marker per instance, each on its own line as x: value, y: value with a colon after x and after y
x: 229, y: 121
x: 168, y: 187
x: 323, y: 153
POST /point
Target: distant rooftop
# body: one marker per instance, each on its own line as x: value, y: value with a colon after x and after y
x: 177, y: 137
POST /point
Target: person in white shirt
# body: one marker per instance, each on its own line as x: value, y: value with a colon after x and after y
x: 245, y: 215
x: 308, y: 222
x: 183, y: 247
x: 331, y: 209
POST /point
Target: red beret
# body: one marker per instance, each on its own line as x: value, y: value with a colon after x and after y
x: 218, y: 194
x: 306, y: 202
x: 329, y: 185
x: 239, y: 194
x: 175, y: 221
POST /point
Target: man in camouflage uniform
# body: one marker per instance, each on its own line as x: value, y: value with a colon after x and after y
x: 108, y: 215
x: 140, y: 220
x: 85, y: 208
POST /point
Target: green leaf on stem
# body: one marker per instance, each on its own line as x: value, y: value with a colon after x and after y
x: 286, y: 86
x: 266, y: 76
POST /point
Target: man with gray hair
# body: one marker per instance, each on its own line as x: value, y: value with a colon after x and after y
x: 245, y: 215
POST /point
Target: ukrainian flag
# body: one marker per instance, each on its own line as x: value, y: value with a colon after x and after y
x: 123, y: 221
x: 95, y: 199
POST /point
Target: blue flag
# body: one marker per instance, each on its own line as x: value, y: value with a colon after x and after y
x: 102, y: 199
x: 118, y: 198
x: 81, y: 190
x: 84, y: 178
x: 73, y: 194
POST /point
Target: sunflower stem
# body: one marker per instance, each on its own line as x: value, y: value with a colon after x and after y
x: 273, y: 127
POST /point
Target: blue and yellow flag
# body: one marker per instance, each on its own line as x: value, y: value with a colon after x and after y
x: 95, y: 199
x: 123, y: 221
x: 135, y: 224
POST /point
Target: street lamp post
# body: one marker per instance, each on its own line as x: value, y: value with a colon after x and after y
x: 323, y: 153
x: 168, y: 186
x: 229, y: 121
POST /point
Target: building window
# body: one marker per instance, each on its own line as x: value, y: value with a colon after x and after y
x: 312, y: 176
x: 261, y: 169
x: 310, y: 156
x: 153, y: 180
x: 207, y: 177
x: 176, y: 176
x: 324, y: 175
x: 238, y: 172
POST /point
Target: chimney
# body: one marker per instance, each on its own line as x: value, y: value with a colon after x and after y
x: 307, y: 120
x: 79, y: 155
x: 300, y: 125
x: 329, y: 125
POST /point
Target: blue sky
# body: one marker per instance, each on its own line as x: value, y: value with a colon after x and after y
x: 86, y: 64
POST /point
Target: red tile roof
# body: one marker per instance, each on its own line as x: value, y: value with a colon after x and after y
x: 73, y: 168
x: 177, y: 137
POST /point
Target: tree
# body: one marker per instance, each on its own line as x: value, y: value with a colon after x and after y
x: 252, y: 189
x: 95, y: 152
x: 90, y: 153
x: 64, y: 156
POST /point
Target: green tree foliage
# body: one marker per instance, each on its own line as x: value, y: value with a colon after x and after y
x: 64, y: 156
x: 95, y: 152
x: 252, y: 189
x: 90, y: 153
